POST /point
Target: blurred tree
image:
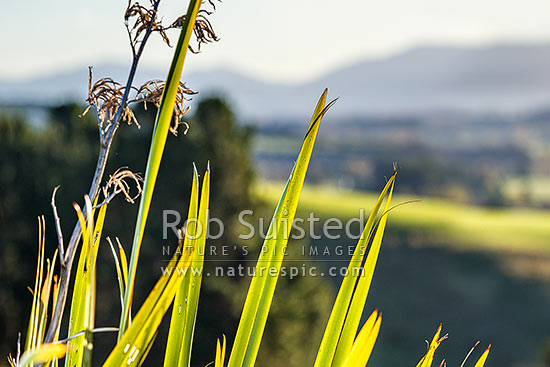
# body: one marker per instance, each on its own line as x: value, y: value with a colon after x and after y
x: 546, y: 353
x: 33, y: 162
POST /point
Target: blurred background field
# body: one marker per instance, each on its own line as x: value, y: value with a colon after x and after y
x: 434, y: 221
x: 481, y: 270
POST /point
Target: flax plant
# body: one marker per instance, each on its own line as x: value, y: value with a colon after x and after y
x: 344, y: 343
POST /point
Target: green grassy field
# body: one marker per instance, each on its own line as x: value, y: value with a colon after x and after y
x: 433, y: 221
x: 534, y: 189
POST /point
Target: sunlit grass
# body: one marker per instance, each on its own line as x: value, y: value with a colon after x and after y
x: 434, y: 221
x: 532, y: 189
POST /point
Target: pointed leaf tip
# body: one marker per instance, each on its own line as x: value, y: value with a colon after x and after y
x: 483, y: 358
x: 262, y: 287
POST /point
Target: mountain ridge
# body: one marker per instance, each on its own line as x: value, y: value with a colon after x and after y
x: 500, y: 78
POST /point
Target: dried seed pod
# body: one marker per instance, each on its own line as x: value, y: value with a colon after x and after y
x: 152, y: 92
x: 105, y: 96
x: 203, y: 30
x: 121, y: 182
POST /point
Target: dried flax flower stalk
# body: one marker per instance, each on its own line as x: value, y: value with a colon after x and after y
x: 203, y: 30
x: 106, y: 96
x: 152, y: 91
x: 142, y: 18
x: 121, y: 182
x: 137, y: 18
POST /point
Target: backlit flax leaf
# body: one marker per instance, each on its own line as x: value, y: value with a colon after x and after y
x: 32, y: 330
x: 360, y: 294
x: 42, y: 292
x: 136, y: 341
x: 160, y: 133
x: 76, y: 316
x: 260, y: 294
x: 43, y: 354
x: 428, y: 358
x: 220, y: 353
x: 179, y: 311
x: 364, y: 343
x: 483, y: 358
x: 118, y: 272
x: 337, y: 319
x: 195, y: 279
x: 82, y: 316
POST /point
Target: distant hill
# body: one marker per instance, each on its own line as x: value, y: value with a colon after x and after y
x: 505, y: 78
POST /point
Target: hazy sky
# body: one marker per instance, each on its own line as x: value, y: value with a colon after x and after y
x: 284, y: 40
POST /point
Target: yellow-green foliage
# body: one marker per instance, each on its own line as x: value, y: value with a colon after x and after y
x: 82, y: 314
x: 344, y: 320
x: 260, y: 294
x: 341, y: 344
x: 427, y: 359
x: 160, y: 133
